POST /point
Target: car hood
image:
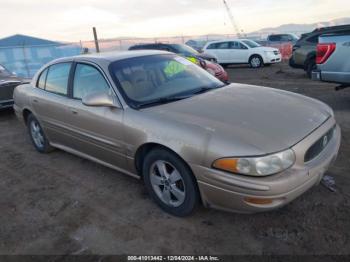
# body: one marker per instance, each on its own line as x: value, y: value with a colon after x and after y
x: 266, y: 120
x: 206, y: 56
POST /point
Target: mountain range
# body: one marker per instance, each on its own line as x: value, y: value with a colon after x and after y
x: 300, y: 28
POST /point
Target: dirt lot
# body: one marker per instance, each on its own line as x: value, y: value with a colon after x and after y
x: 62, y: 204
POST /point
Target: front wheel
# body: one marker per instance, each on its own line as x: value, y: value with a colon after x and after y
x: 256, y: 61
x: 37, y: 135
x: 170, y: 182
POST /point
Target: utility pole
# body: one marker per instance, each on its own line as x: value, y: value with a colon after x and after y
x: 96, y: 40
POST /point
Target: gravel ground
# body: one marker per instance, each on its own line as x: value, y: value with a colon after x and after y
x: 61, y: 204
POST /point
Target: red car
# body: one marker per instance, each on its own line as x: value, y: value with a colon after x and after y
x: 216, y: 70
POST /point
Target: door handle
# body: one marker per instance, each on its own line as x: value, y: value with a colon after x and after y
x: 73, y: 110
x: 35, y: 101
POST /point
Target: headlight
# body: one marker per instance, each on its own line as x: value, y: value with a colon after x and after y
x: 257, y: 166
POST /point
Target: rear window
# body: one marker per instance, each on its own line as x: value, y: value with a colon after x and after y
x: 275, y: 38
x: 221, y: 45
x: 42, y: 79
x: 57, y: 78
x: 4, y: 72
x: 313, y: 39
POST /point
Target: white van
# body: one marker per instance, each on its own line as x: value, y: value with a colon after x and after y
x: 242, y: 51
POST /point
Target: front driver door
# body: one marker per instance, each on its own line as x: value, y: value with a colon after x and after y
x: 239, y: 53
x: 97, y: 131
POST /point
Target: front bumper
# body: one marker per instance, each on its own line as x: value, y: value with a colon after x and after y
x: 230, y: 192
x: 272, y: 58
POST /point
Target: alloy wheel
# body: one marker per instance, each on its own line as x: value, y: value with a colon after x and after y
x: 37, y: 134
x: 167, y: 183
x: 255, y: 62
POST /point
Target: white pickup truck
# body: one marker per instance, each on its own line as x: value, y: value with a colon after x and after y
x: 333, y: 59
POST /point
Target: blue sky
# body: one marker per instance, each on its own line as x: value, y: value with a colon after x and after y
x: 71, y: 20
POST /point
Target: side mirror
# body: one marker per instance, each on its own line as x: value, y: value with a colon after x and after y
x: 100, y: 99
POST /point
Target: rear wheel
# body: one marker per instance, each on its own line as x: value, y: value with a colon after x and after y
x: 256, y: 61
x: 170, y: 182
x: 37, y: 135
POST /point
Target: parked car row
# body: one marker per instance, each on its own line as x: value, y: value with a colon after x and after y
x: 158, y: 117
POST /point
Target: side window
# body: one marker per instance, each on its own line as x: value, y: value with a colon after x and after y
x: 235, y: 45
x: 164, y: 48
x: 57, y: 78
x: 223, y: 45
x: 286, y: 38
x: 313, y: 39
x: 212, y: 46
x: 242, y: 46
x: 275, y: 38
x: 87, y: 80
x: 42, y: 79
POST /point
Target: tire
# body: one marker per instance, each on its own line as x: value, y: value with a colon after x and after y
x: 256, y: 61
x: 37, y: 135
x: 170, y: 182
x: 310, y: 66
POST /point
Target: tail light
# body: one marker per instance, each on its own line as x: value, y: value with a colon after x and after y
x: 324, y: 51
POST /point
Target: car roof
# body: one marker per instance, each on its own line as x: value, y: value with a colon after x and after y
x: 110, y: 56
x: 224, y: 40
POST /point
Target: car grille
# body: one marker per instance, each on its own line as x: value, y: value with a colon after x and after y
x: 319, y: 146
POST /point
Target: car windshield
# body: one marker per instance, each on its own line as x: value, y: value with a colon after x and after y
x: 251, y: 43
x: 155, y: 79
x: 4, y: 72
x: 185, y: 50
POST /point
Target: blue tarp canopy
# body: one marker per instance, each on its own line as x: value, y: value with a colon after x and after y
x: 24, y: 40
x: 24, y: 55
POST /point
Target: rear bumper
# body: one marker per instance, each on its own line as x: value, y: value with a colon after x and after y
x: 230, y: 192
x: 333, y: 77
x: 223, y: 77
x: 294, y: 65
x: 316, y: 75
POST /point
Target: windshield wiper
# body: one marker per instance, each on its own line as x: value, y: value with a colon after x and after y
x: 202, y: 90
x: 162, y: 100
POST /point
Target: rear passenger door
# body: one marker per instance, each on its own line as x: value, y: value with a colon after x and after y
x: 220, y: 50
x: 96, y: 131
x: 49, y: 101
